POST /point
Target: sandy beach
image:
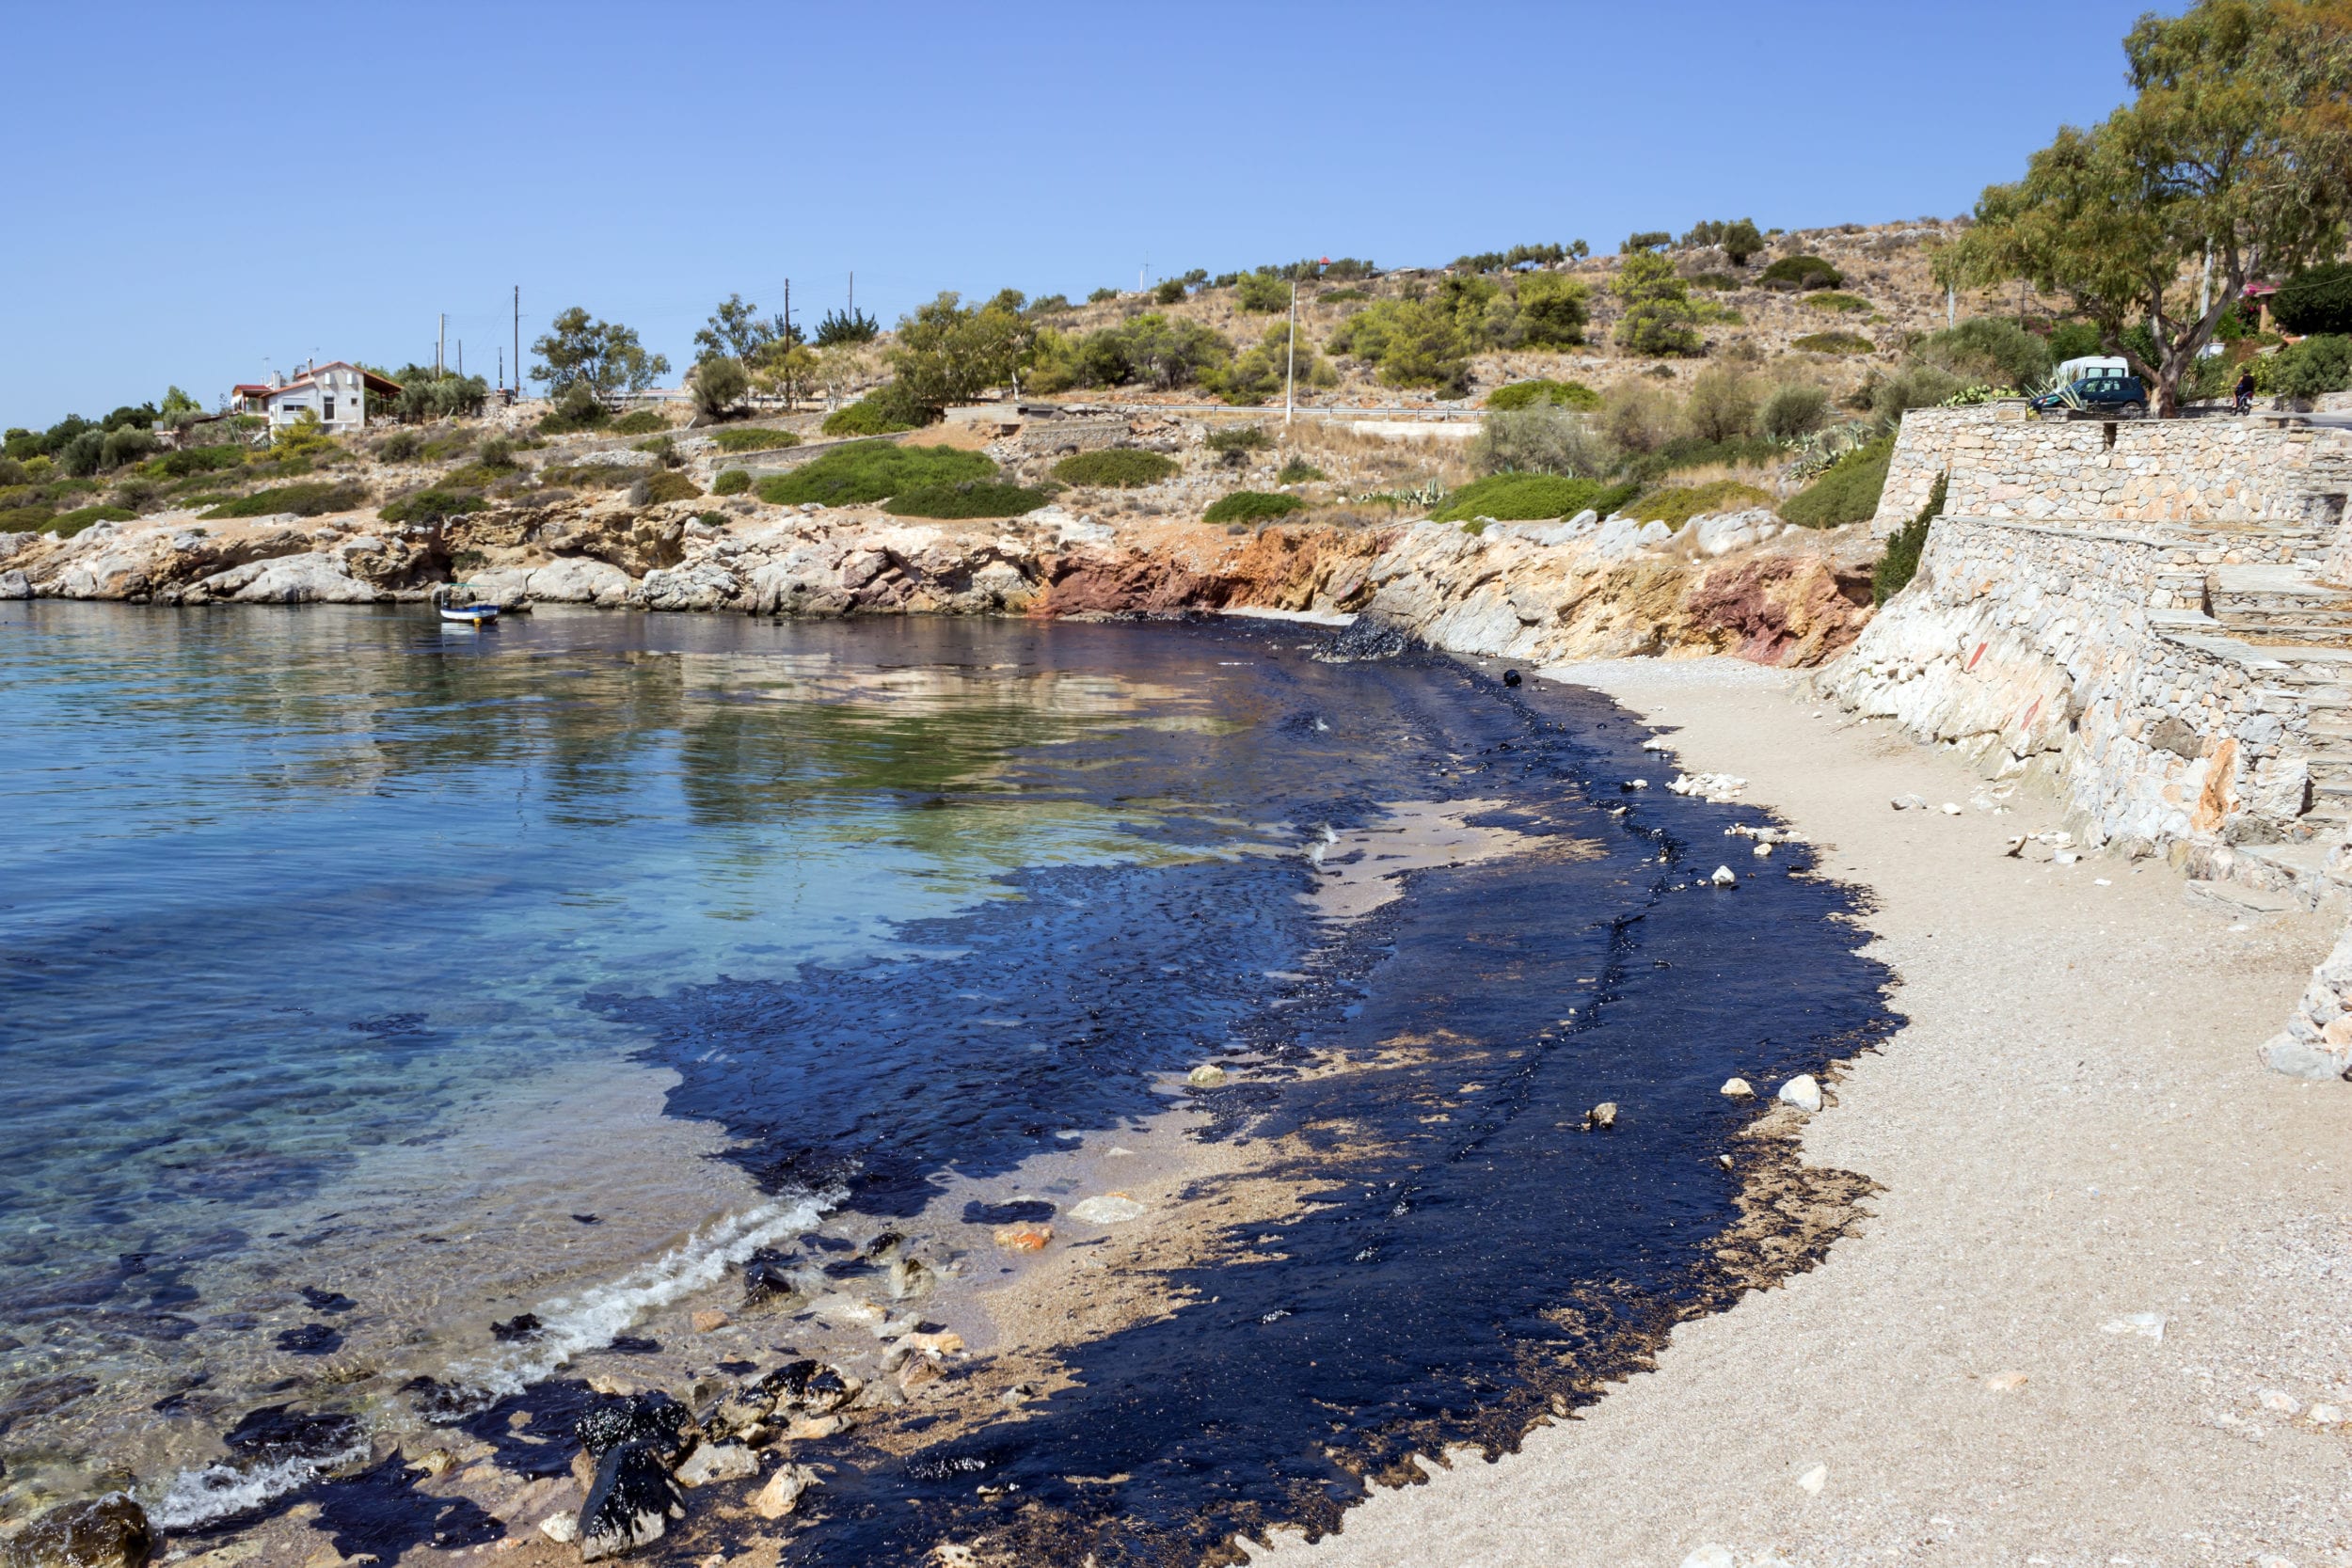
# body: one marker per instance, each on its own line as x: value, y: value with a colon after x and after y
x: 2101, y: 1311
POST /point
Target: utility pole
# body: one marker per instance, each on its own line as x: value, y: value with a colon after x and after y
x: 518, y: 343
x: 441, y: 345
x: 501, y: 368
x: 788, y: 311
x: 853, y: 296
x: 1141, y: 271
x: 1951, y: 304
x: 1289, y: 371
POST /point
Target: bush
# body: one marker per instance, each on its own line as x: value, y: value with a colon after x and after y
x: 1098, y: 296
x: 125, y: 444
x: 1716, y: 280
x: 1722, y: 405
x: 1833, y: 342
x: 974, y: 498
x: 1526, y: 394
x: 718, y: 384
x: 85, y: 454
x: 2316, y: 301
x: 1261, y: 371
x: 1831, y: 299
x: 1640, y: 418
x: 753, y: 438
x: 1262, y: 291
x: 1848, y: 490
x: 1553, y: 311
x: 872, y: 471
x: 1170, y: 292
x: 1912, y: 386
x: 1678, y: 507
x: 1531, y: 497
x: 1807, y: 272
x: 1298, y: 471
x: 1990, y: 350
x: 1658, y: 317
x: 1234, y: 440
x: 850, y: 327
x: 1153, y: 350
x: 662, y: 484
x: 862, y: 417
x: 1896, y: 568
x: 1252, y: 506
x: 1115, y: 468
x: 433, y: 506
x: 313, y: 499
x: 67, y: 524
x: 139, y: 495
x: 1795, y: 409
x: 2310, y: 368
x: 640, y: 422
x: 733, y: 482
x: 197, y: 460
x: 1412, y: 343
x: 1542, y: 439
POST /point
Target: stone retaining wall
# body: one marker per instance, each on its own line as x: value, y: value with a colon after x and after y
x: 2004, y: 465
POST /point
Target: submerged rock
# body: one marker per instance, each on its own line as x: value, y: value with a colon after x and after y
x: 1208, y: 1075
x: 109, y: 1532
x: 1110, y: 1208
x: 1602, y: 1117
x: 1737, y: 1089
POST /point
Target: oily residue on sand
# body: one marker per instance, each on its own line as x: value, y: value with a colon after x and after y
x: 1466, y: 1257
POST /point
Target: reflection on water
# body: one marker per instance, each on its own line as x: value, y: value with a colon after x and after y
x: 298, y: 912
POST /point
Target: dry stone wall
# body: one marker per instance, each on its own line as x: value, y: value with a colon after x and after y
x: 2005, y: 464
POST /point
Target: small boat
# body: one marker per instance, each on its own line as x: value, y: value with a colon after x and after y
x: 457, y: 604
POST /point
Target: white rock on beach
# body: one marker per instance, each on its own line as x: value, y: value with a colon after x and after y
x: 2147, y: 1325
x: 713, y: 1463
x: 1110, y: 1208
x: 1723, y: 876
x: 783, y: 1491
x: 1208, y: 1075
x: 1803, y: 1091
x: 561, y: 1527
x: 1737, y: 1089
x: 1815, y: 1478
x: 1710, y: 1557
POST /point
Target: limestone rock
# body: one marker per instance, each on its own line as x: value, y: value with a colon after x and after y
x: 1723, y: 876
x: 104, y: 1532
x: 714, y: 1463
x: 561, y: 1528
x: 1737, y: 1089
x: 578, y: 579
x: 312, y: 578
x: 1803, y: 1091
x: 1208, y: 1075
x: 782, y: 1494
x: 1110, y: 1208
x: 15, y: 585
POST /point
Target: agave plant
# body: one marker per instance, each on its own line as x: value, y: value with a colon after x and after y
x: 1822, y: 448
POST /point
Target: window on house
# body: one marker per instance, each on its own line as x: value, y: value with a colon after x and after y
x: 330, y: 409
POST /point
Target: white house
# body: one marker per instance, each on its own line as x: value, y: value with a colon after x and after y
x: 336, y: 392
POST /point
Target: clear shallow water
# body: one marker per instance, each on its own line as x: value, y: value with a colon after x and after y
x: 300, y: 913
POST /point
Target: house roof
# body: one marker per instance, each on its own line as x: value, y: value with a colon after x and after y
x: 380, y: 384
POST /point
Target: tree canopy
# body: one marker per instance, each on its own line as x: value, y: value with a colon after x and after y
x: 736, y: 331
x: 2238, y: 146
x: 605, y: 357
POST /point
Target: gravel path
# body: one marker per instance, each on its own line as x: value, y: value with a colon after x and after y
x: 2079, y: 1155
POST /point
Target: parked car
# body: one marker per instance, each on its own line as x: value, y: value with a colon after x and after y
x: 2117, y: 397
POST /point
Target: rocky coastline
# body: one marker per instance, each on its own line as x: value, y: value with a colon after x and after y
x: 1739, y: 583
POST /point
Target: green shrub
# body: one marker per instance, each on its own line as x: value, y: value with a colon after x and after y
x: 1531, y: 497
x: 1263, y: 369
x: 1298, y: 471
x: 850, y: 327
x: 578, y: 408
x: 1525, y: 394
x: 1847, y: 491
x: 663, y: 484
x: 1989, y: 351
x: 1914, y: 385
x: 125, y: 444
x: 1831, y: 299
x: 1896, y: 568
x: 24, y: 519
x: 718, y: 384
x: 1115, y: 468
x: 753, y: 440
x: 85, y: 454
x: 432, y: 506
x: 1801, y: 273
x: 67, y: 524
x: 1413, y: 342
x: 1098, y: 296
x: 1658, y: 317
x: 1688, y: 451
x: 197, y: 460
x: 872, y: 471
x: 640, y: 422
x: 1794, y: 409
x: 1262, y: 291
x: 1716, y: 280
x: 1170, y: 292
x: 1252, y: 506
x: 2074, y: 341
x: 1833, y: 342
x: 2308, y: 369
x: 2316, y: 301
x: 1542, y: 439
x: 877, y: 413
x: 1342, y: 297
x: 1678, y: 507
x: 1153, y: 350
x: 1233, y: 441
x: 1553, y: 311
x: 590, y: 476
x: 733, y: 482
x: 972, y: 499
x: 316, y: 498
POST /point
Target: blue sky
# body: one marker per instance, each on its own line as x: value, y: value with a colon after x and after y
x: 195, y: 193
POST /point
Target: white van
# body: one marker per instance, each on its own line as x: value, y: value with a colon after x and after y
x: 2091, y: 367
